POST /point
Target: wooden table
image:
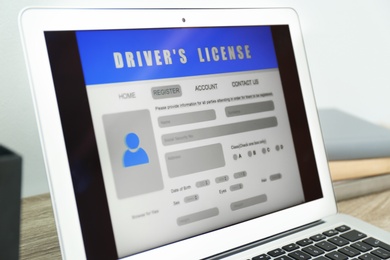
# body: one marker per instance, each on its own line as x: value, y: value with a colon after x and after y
x: 39, y: 237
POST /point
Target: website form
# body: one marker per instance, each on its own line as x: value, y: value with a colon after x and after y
x: 192, y: 130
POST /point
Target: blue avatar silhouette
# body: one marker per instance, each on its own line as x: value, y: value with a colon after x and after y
x: 134, y: 155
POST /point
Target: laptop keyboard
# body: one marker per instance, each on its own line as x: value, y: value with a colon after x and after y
x: 341, y: 243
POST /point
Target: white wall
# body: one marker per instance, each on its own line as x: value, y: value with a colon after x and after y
x: 347, y: 44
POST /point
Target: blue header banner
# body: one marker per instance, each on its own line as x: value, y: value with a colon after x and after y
x: 132, y: 55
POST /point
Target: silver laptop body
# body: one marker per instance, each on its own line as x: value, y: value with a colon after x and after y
x: 183, y: 134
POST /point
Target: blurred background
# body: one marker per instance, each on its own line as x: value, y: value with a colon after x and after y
x: 347, y: 45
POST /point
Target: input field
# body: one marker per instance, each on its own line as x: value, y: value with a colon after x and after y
x: 184, y: 162
x: 217, y: 131
x: 187, y: 118
x: 198, y: 216
x: 247, y: 109
x: 248, y: 202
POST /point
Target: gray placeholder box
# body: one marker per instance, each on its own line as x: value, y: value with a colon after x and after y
x: 198, y: 216
x: 275, y: 177
x: 134, y: 161
x: 248, y: 202
x: 247, y: 109
x: 220, y: 130
x: 194, y: 160
x: 187, y: 118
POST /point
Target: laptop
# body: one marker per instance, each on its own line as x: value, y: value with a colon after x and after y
x: 184, y: 134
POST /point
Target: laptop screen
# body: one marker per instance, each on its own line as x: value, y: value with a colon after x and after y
x: 172, y: 133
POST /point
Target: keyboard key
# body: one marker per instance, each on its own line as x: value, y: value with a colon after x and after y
x: 353, y: 235
x: 349, y: 251
x: 284, y: 257
x: 377, y: 243
x: 336, y: 256
x: 276, y: 252
x: 318, y: 237
x: 339, y: 241
x: 342, y: 228
x: 326, y: 246
x: 304, y: 242
x: 313, y: 250
x: 299, y: 255
x: 290, y: 247
x: 362, y: 247
x: 330, y: 233
x: 381, y: 253
x: 261, y: 257
x: 368, y: 257
x: 321, y: 258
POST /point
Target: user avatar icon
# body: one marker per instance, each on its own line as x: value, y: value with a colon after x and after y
x: 134, y: 155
